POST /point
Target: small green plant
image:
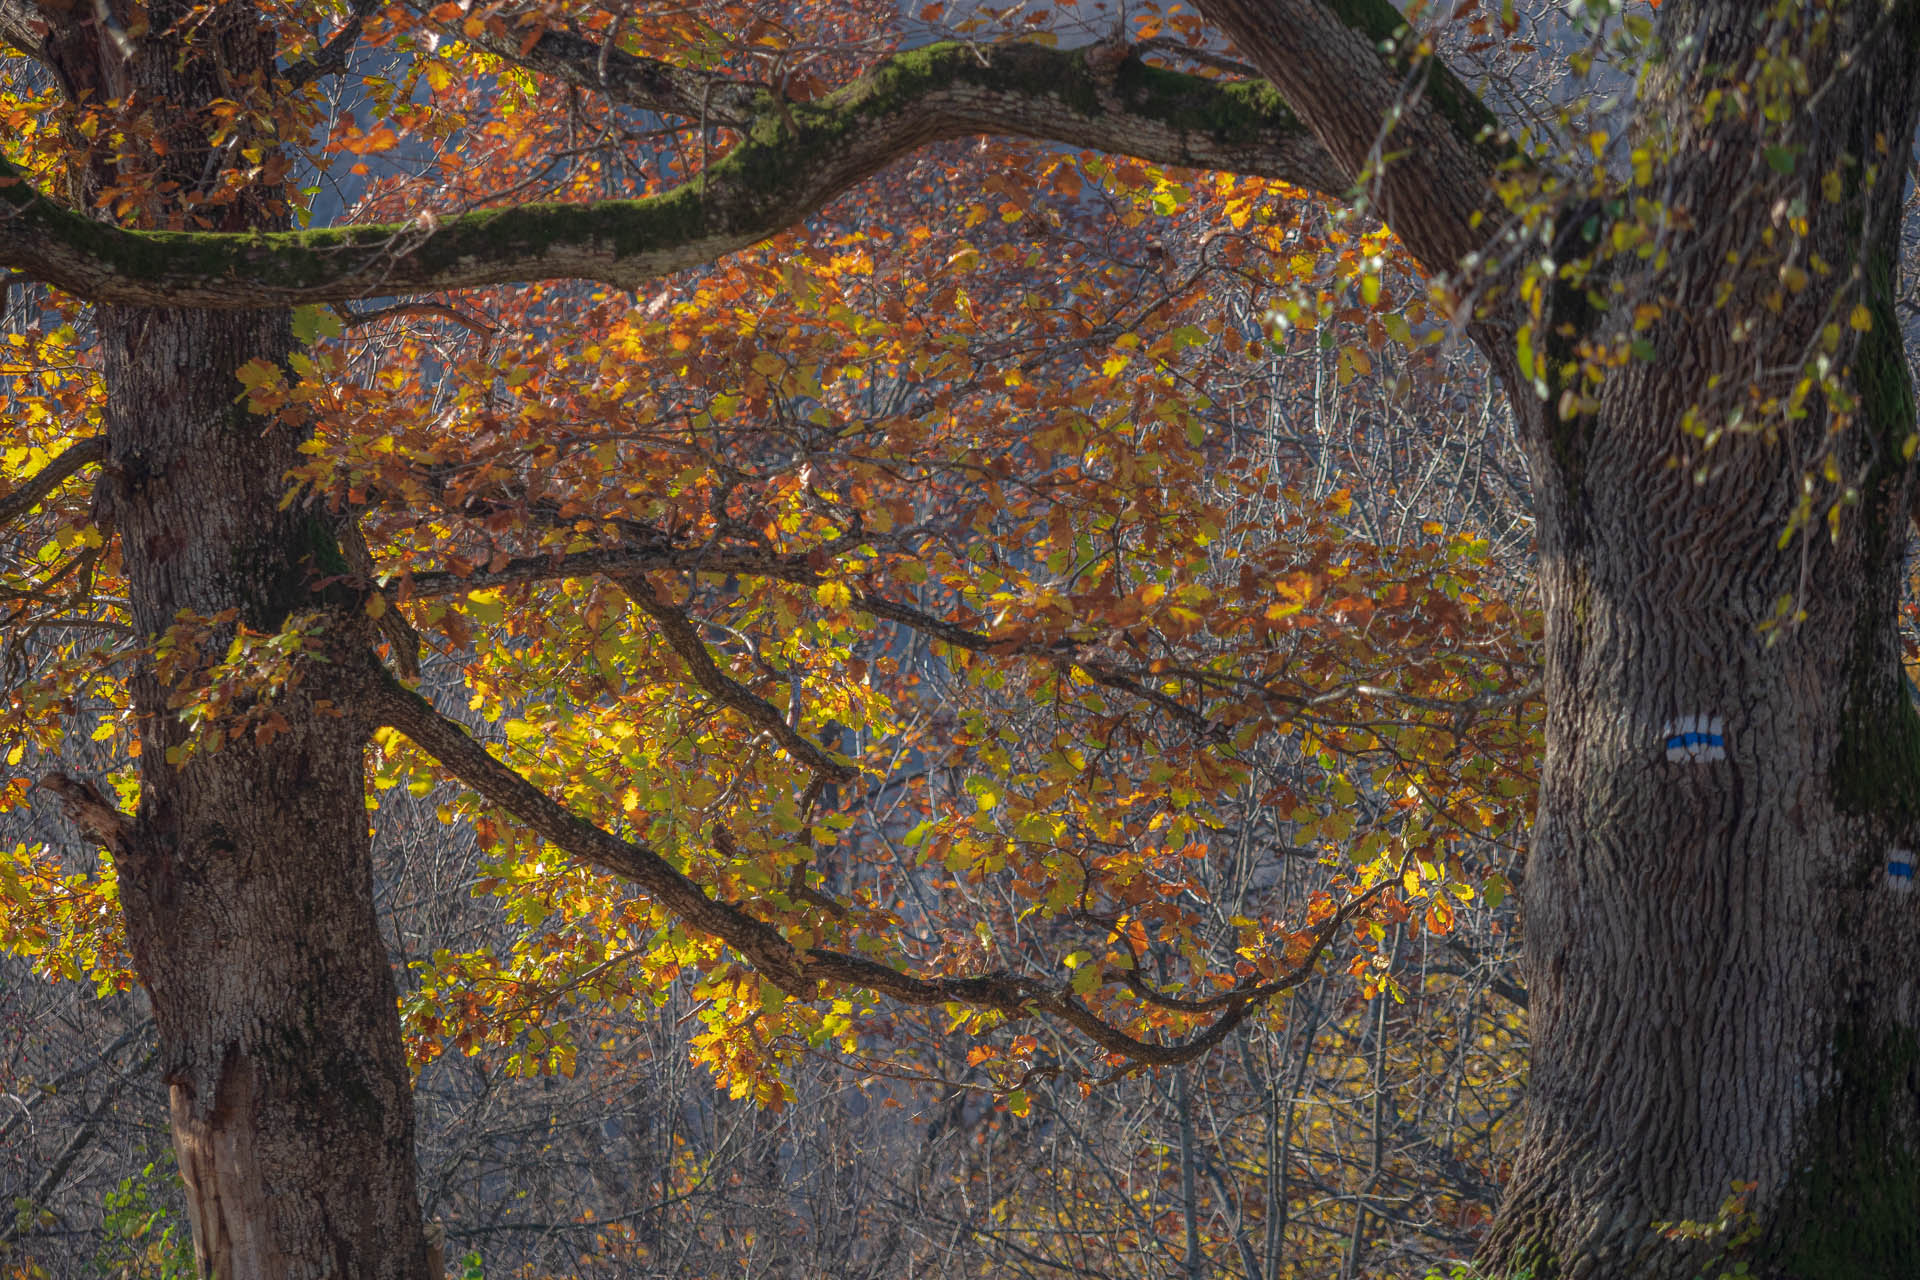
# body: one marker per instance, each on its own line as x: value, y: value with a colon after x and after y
x: 1735, y: 1228
x: 138, y: 1242
x: 1467, y: 1271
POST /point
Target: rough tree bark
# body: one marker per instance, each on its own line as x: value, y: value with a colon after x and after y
x: 246, y: 875
x: 1721, y: 973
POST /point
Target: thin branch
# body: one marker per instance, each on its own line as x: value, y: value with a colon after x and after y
x: 1179, y: 48
x: 49, y: 1182
x: 67, y: 1077
x: 610, y: 561
x: 617, y: 562
x: 1512, y: 992
x: 354, y: 316
x: 647, y: 83
x: 684, y: 639
x: 331, y: 57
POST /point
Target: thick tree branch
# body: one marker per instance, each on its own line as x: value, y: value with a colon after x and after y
x: 98, y: 818
x: 472, y: 764
x: 1424, y: 144
x: 787, y: 165
x: 682, y: 637
x: 22, y: 26
x: 799, y: 972
x: 401, y: 638
x: 32, y: 491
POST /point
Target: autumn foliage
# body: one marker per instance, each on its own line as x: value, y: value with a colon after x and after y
x: 960, y: 580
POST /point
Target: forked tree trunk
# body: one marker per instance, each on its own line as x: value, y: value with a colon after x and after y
x: 246, y: 876
x: 1723, y: 975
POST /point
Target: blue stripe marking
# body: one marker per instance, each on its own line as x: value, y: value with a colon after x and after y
x: 1901, y: 869
x: 1696, y: 740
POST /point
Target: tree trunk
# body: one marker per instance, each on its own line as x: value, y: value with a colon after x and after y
x: 1722, y: 970
x: 245, y: 877
x: 248, y: 886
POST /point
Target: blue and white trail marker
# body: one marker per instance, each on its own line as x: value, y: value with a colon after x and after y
x: 1900, y: 870
x: 1695, y: 739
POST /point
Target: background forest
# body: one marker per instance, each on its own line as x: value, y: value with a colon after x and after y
x: 1111, y: 569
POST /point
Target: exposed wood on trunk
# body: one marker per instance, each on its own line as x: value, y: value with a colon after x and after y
x: 245, y: 876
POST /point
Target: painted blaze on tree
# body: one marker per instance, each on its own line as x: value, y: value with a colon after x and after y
x: 1693, y: 320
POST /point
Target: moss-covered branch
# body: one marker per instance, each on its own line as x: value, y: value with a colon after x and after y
x: 793, y: 158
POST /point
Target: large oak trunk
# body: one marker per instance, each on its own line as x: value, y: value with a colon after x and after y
x: 246, y: 876
x: 1722, y: 973
x: 247, y: 884
x: 1722, y: 970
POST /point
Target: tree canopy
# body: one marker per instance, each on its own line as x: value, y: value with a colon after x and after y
x: 831, y: 565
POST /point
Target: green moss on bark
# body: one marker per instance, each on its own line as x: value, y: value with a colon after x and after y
x: 1383, y: 24
x: 1876, y: 771
x: 1850, y: 1211
x: 766, y: 182
x: 1240, y: 111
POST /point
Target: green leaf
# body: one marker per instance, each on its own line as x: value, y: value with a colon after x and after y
x: 311, y: 323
